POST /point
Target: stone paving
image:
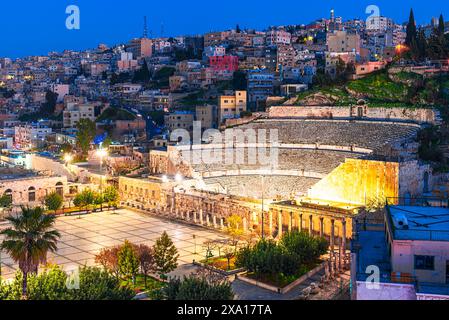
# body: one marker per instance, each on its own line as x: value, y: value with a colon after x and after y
x: 84, y: 236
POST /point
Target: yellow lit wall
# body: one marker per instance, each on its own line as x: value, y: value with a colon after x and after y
x: 362, y: 182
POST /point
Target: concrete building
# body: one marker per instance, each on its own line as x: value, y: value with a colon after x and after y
x: 141, y: 47
x: 75, y: 112
x: 260, y: 85
x: 342, y: 41
x: 410, y: 257
x: 231, y: 106
x: 28, y: 188
x: 179, y: 120
x: 29, y: 136
x: 127, y: 62
x: 277, y: 37
x: 379, y: 23
x: 207, y: 114
x: 61, y: 90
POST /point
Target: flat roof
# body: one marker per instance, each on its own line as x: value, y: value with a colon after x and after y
x: 420, y: 223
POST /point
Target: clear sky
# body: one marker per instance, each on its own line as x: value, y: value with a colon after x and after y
x: 33, y: 27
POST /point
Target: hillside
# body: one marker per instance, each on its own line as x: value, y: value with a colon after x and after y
x: 403, y: 89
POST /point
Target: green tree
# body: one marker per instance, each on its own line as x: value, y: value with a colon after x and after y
x: 85, y: 135
x: 98, y: 284
x: 441, y: 25
x: 146, y: 260
x: 165, y: 254
x: 111, y: 196
x: 98, y: 200
x: 306, y: 248
x: 84, y: 198
x: 94, y: 284
x: 128, y: 262
x: 53, y: 201
x: 198, y: 288
x: 410, y: 38
x: 29, y: 239
x: 5, y: 201
x: 48, y: 108
x: 143, y: 74
x: 235, y: 225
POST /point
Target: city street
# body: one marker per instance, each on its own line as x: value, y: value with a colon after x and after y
x: 83, y: 237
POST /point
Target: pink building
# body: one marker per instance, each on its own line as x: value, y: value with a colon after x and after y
x: 224, y: 63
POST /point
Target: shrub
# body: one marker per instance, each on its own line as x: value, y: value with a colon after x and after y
x: 197, y: 288
x: 295, y: 252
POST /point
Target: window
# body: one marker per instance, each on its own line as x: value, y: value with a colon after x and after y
x: 31, y: 194
x: 8, y: 193
x: 60, y: 189
x: 424, y: 262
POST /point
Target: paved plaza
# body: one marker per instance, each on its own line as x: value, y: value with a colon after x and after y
x: 84, y: 236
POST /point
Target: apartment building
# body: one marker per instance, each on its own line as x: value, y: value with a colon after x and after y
x: 231, y: 106
x: 179, y: 120
x: 141, y: 47
x: 260, y: 85
x: 342, y: 41
x: 30, y: 136
x: 75, y: 112
x: 409, y: 253
x: 207, y: 114
x: 276, y: 37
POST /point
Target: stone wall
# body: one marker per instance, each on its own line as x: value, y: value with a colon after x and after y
x: 40, y: 185
x: 412, y: 176
x: 362, y: 182
x: 330, y: 112
x: 39, y: 163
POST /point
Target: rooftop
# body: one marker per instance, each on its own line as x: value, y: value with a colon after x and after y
x: 419, y: 223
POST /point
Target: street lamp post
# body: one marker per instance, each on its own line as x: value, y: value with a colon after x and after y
x: 263, y: 200
x: 101, y: 153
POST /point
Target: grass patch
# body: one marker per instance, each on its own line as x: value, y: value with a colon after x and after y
x: 221, y: 263
x: 281, y: 280
x: 153, y: 285
x: 379, y: 87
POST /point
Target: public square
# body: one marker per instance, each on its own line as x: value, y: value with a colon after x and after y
x: 82, y: 237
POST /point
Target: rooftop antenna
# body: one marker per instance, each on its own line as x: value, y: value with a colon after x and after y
x: 145, y: 27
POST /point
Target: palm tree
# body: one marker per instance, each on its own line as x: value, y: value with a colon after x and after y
x: 29, y: 239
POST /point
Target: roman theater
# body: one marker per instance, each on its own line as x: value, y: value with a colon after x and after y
x: 329, y: 167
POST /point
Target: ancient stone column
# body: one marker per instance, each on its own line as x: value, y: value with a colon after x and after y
x: 343, y: 240
x: 321, y: 227
x: 332, y: 238
x: 279, y: 224
x: 172, y: 203
x: 207, y: 220
x: 290, y: 222
x: 270, y: 221
x: 194, y: 216
x: 214, y: 221
x: 300, y: 223
x: 201, y: 217
x: 222, y: 224
x: 188, y: 216
x: 310, y: 225
x: 245, y: 225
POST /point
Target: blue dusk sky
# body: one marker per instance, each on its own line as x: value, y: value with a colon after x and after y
x: 35, y: 27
